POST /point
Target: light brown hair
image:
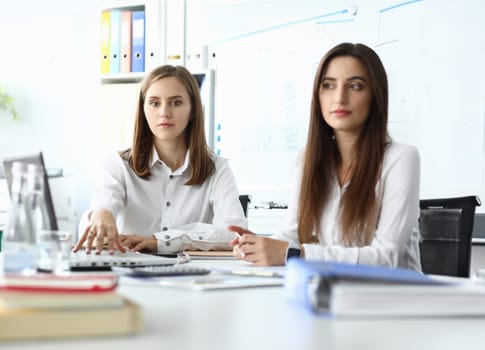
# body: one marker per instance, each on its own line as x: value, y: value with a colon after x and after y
x: 359, y: 205
x: 201, y: 162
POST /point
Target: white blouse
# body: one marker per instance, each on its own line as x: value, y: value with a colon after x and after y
x: 396, y: 238
x: 180, y: 216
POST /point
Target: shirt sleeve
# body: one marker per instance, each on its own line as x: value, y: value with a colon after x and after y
x: 290, y: 231
x: 224, y: 199
x: 110, y: 188
x: 397, y: 221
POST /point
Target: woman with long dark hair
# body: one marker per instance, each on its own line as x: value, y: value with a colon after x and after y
x: 358, y: 194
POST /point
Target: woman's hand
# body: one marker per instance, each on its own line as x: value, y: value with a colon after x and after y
x: 101, y: 225
x: 261, y: 251
x: 137, y: 243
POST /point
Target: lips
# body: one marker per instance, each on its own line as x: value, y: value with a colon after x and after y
x: 341, y: 112
x: 165, y: 125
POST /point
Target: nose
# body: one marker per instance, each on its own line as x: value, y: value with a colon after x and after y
x: 341, y: 95
x: 164, y: 110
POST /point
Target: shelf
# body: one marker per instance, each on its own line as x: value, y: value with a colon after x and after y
x: 122, y: 78
x: 132, y: 39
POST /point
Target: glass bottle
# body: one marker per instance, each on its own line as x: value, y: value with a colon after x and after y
x: 47, y: 242
x: 19, y: 252
x: 37, y: 206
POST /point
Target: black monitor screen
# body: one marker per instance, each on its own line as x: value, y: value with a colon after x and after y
x: 199, y: 78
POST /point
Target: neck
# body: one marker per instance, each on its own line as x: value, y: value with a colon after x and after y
x: 172, y: 154
x: 345, y: 145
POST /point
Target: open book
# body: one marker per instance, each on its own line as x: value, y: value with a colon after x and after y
x: 357, y: 290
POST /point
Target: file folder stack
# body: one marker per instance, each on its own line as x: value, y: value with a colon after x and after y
x: 123, y: 41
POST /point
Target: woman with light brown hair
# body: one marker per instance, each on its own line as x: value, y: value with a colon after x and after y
x: 169, y: 191
x: 358, y: 194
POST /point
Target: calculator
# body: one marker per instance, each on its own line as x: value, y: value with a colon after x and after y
x: 161, y: 270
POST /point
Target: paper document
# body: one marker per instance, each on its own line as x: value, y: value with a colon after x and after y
x: 213, y: 282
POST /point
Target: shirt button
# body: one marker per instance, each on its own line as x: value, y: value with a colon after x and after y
x: 168, y: 204
x: 201, y: 238
x: 170, y: 176
x: 164, y: 228
x: 167, y: 236
x: 167, y: 244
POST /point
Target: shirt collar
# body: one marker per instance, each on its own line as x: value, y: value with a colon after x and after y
x: 155, y: 159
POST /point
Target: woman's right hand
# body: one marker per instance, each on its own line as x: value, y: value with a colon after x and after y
x: 101, y: 224
x: 261, y: 251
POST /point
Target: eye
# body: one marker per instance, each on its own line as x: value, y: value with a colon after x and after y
x: 327, y: 85
x: 176, y: 103
x: 154, y: 104
x: 356, y: 86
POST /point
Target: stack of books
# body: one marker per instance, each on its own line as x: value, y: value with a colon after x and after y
x: 47, y: 306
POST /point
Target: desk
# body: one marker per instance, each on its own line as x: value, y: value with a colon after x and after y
x: 262, y: 318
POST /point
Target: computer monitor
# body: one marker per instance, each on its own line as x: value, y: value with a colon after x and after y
x: 37, y: 159
x: 205, y: 81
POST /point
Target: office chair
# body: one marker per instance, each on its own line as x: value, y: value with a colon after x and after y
x: 446, y: 226
x: 245, y: 199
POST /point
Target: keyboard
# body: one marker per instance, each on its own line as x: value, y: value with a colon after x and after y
x: 160, y: 271
x: 81, y: 261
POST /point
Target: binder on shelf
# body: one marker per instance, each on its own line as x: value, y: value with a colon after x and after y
x: 114, y: 60
x: 198, y: 59
x: 138, y: 41
x: 125, y: 42
x: 153, y: 30
x: 336, y: 289
x: 105, y: 44
x: 175, y: 25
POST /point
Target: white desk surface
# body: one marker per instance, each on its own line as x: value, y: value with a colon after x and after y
x: 262, y: 318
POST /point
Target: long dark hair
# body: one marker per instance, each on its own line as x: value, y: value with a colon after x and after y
x: 201, y: 161
x: 359, y: 205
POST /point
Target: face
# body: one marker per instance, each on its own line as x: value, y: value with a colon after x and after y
x: 345, y: 95
x: 167, y: 109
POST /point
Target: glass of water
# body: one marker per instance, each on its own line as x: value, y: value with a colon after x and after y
x: 54, y: 250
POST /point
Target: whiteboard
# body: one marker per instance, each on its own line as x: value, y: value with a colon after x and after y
x: 266, y: 55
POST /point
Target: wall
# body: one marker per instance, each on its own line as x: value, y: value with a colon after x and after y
x: 266, y: 54
x: 50, y: 65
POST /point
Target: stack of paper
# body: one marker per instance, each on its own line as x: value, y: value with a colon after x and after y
x: 357, y: 290
x: 45, y: 305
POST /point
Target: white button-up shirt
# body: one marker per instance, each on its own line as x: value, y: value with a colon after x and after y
x: 396, y: 238
x: 180, y: 216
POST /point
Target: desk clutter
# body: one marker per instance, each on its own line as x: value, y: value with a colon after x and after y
x: 72, y: 305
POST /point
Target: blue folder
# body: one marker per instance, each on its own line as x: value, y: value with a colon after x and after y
x: 114, y: 62
x: 138, y: 41
x: 300, y: 274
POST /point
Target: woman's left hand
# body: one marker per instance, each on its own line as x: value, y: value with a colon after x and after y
x: 138, y: 243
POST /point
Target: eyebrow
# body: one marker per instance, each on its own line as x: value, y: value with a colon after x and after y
x: 170, y: 98
x: 355, y: 77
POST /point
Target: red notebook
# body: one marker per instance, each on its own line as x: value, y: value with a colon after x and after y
x: 46, y: 282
